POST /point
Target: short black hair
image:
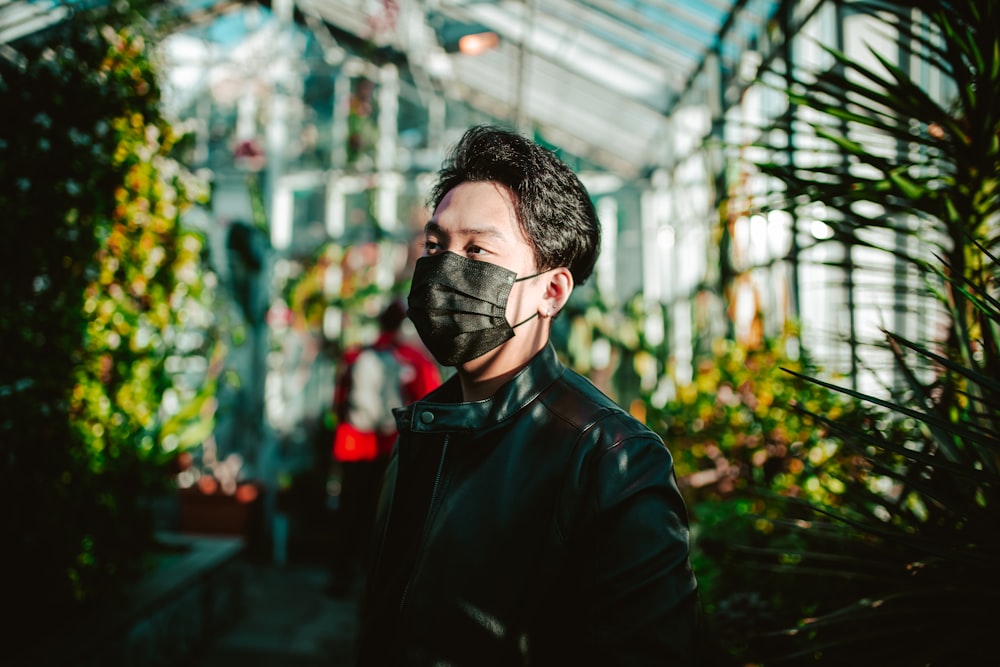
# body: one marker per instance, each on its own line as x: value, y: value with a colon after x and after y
x: 552, y: 206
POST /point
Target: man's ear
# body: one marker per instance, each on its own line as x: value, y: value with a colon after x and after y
x: 557, y: 291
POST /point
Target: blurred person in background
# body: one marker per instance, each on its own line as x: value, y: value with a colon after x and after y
x: 525, y: 518
x: 372, y: 380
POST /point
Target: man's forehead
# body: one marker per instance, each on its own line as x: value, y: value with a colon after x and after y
x: 477, y: 212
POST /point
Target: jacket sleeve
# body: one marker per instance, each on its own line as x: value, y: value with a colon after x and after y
x: 635, y: 558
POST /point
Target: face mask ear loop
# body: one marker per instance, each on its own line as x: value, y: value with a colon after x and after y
x: 528, y: 319
x: 535, y: 314
x: 533, y: 275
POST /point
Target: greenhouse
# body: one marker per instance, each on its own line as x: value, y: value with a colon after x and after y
x: 211, y: 206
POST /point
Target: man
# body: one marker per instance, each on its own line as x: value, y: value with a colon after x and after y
x: 524, y: 517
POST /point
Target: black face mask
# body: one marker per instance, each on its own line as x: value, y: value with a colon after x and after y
x: 459, y: 306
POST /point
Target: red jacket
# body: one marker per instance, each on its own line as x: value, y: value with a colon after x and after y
x: 416, y: 373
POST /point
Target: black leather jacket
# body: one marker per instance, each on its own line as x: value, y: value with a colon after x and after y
x: 542, y: 526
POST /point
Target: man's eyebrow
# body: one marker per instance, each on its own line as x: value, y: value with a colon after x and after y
x: 432, y: 227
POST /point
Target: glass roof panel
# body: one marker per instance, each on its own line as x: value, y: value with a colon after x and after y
x: 605, y: 75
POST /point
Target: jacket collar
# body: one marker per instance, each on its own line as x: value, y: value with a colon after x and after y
x: 435, y: 414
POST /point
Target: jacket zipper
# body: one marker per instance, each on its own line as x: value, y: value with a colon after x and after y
x: 427, y: 522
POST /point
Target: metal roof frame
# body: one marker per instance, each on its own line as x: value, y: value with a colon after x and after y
x: 601, y: 77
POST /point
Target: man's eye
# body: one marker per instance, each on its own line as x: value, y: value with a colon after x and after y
x: 475, y: 250
x: 431, y: 246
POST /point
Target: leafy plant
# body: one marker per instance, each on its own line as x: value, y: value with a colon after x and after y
x: 732, y: 431
x: 606, y: 343
x: 105, y: 314
x: 741, y: 453
x: 916, y: 534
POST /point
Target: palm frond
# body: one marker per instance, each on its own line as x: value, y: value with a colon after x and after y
x: 913, y: 533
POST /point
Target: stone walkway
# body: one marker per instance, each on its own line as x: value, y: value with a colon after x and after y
x: 289, y: 621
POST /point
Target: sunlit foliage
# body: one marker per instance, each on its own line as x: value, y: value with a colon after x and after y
x: 105, y: 314
x: 901, y: 570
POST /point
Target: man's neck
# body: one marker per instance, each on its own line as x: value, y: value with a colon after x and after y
x: 481, y: 378
x: 477, y: 390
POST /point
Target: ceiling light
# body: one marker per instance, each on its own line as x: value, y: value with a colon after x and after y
x: 477, y: 43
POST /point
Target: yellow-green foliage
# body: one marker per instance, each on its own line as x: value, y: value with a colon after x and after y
x: 105, y: 314
x: 734, y: 429
x: 740, y: 446
x: 148, y: 306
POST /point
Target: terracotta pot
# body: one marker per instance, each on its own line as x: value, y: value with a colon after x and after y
x: 219, y: 513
